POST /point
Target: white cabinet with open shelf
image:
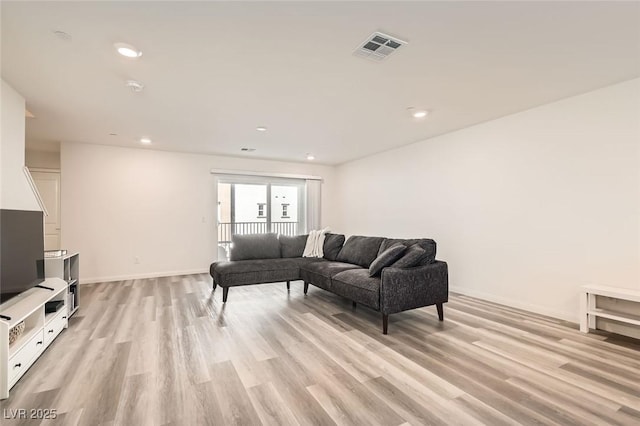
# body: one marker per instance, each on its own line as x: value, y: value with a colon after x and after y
x: 40, y: 329
x: 66, y: 267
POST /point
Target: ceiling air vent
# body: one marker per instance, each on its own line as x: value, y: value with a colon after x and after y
x: 378, y: 46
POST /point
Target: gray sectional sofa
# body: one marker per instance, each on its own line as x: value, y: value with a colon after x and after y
x: 388, y: 275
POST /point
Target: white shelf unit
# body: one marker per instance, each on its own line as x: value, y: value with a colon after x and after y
x: 589, y: 310
x: 41, y: 329
x: 66, y: 267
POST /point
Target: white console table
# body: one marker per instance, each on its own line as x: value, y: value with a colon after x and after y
x: 41, y: 328
x: 589, y: 310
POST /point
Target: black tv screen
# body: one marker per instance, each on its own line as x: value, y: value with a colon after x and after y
x: 21, y: 251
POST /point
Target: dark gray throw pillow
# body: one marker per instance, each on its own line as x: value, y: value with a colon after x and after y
x: 427, y: 244
x: 386, y: 258
x: 255, y: 246
x: 292, y: 246
x: 412, y: 257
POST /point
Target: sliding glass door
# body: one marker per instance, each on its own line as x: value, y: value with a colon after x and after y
x: 250, y: 205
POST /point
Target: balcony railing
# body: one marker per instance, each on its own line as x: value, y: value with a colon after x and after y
x: 228, y: 229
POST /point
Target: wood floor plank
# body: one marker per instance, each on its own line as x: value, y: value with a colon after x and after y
x: 270, y: 406
x: 409, y: 409
x: 235, y: 406
x: 168, y: 351
x: 136, y: 404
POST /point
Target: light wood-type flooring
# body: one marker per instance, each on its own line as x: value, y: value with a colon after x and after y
x: 167, y: 351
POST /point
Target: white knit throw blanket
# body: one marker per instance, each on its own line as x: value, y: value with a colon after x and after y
x: 315, y: 243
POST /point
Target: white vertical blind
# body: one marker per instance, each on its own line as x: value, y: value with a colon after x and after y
x: 313, y: 204
x: 220, y: 255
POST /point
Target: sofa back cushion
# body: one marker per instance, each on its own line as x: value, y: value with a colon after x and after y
x: 427, y: 244
x: 360, y: 250
x: 254, y: 246
x: 332, y: 245
x: 292, y: 246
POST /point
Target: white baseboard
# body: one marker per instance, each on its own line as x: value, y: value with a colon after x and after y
x: 141, y: 276
x: 542, y: 310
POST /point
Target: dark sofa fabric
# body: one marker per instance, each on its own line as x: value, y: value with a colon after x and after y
x: 413, y: 256
x: 320, y: 273
x: 254, y: 246
x: 360, y: 250
x: 386, y: 258
x: 292, y: 246
x: 427, y: 244
x: 397, y: 289
x: 332, y: 245
x: 256, y: 271
x: 404, y: 289
x: 357, y: 285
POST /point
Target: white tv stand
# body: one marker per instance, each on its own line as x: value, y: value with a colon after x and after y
x: 589, y: 310
x: 41, y: 329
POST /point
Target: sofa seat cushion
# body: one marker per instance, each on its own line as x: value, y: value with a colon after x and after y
x: 357, y: 285
x: 427, y: 244
x: 360, y: 250
x: 257, y: 271
x: 319, y: 273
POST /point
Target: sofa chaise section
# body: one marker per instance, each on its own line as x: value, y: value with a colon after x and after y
x: 267, y: 258
x: 255, y: 271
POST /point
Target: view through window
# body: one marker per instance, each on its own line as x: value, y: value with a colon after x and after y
x: 246, y: 207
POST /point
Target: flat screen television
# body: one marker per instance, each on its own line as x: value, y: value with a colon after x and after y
x: 21, y: 251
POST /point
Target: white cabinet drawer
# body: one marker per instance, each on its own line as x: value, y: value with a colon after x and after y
x: 55, y: 326
x: 22, y: 360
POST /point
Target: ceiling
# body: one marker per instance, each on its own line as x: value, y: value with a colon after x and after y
x: 213, y: 72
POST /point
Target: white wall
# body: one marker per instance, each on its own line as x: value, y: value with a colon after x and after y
x: 42, y: 159
x: 526, y: 208
x: 121, y: 203
x: 15, y: 192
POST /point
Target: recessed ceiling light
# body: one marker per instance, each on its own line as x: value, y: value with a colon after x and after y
x: 310, y: 157
x: 145, y: 141
x: 261, y: 129
x: 134, y: 85
x: 127, y: 50
x: 113, y: 134
x: 418, y: 113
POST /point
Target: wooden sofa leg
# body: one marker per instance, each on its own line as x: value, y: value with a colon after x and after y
x: 225, y: 292
x: 385, y: 323
x: 353, y: 304
x: 440, y: 311
x: 288, y: 286
x: 306, y: 287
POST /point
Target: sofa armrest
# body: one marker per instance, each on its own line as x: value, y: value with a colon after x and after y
x: 212, y: 268
x: 408, y: 288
